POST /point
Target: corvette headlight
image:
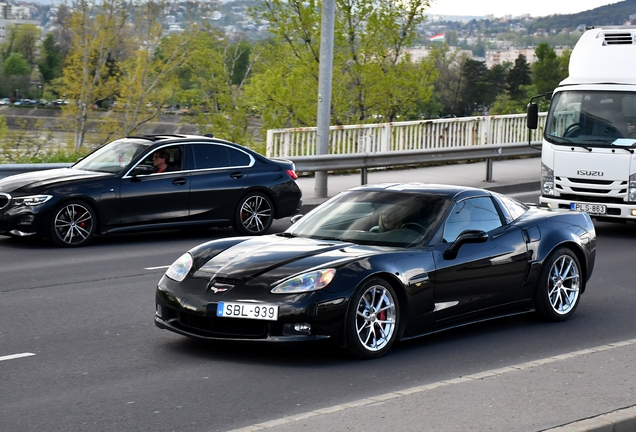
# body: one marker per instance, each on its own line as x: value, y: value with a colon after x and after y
x: 631, y: 194
x: 180, y: 268
x: 311, y: 281
x: 31, y: 200
x: 547, y: 180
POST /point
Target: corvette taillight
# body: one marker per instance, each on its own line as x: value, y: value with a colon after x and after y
x: 292, y: 174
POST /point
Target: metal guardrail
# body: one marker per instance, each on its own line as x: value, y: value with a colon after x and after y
x: 413, y: 157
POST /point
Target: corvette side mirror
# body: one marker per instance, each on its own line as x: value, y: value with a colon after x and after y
x: 296, y: 218
x: 468, y: 236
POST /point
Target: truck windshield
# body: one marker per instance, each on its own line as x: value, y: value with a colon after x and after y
x: 592, y: 118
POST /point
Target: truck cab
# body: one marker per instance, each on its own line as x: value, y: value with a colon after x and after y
x: 588, y: 159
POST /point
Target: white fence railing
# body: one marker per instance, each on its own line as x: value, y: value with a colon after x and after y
x: 412, y: 135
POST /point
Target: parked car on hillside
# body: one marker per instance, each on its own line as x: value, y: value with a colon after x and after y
x: 382, y: 263
x: 207, y: 182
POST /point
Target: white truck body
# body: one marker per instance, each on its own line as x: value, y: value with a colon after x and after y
x: 588, y: 157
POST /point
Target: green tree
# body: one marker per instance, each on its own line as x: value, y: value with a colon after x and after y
x: 50, y: 63
x: 237, y: 60
x: 373, y: 78
x: 546, y: 71
x: 148, y: 75
x: 27, y: 41
x: 475, y: 92
x: 16, y: 66
x: 518, y: 76
x: 96, y: 27
x: 449, y: 83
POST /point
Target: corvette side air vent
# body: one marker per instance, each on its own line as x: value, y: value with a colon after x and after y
x: 618, y: 39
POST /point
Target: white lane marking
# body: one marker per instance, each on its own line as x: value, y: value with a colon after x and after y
x: 157, y: 268
x: 16, y: 356
x: 427, y: 387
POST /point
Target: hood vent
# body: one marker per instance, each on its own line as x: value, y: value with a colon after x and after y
x: 618, y: 39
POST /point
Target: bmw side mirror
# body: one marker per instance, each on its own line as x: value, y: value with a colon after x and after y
x: 468, y: 236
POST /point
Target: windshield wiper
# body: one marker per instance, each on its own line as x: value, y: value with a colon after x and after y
x: 286, y: 234
x: 330, y: 238
x: 569, y: 141
x: 611, y: 144
x: 622, y: 147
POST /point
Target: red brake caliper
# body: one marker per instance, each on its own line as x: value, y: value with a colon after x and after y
x: 82, y: 224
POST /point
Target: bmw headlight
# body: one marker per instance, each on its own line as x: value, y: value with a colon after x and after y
x: 32, y: 200
x: 631, y: 192
x: 547, y: 180
x: 180, y: 268
x: 310, y: 281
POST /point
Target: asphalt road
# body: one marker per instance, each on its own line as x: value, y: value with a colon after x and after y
x: 98, y: 362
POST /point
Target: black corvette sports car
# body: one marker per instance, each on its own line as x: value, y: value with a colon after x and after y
x: 381, y: 263
x: 151, y: 182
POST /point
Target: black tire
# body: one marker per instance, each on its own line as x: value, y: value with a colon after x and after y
x: 73, y: 224
x: 254, y: 214
x: 372, y: 319
x: 559, y: 288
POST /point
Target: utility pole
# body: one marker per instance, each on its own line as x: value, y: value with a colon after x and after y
x: 324, y: 90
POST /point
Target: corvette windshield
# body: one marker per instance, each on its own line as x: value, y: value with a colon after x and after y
x: 113, y: 157
x: 592, y: 119
x: 372, y: 217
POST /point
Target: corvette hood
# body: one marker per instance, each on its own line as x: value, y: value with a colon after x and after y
x: 37, y: 179
x: 276, y: 257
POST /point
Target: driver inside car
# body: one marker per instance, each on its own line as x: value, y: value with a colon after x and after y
x: 390, y: 219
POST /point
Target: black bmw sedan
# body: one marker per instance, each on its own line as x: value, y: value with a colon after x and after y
x: 382, y: 263
x: 150, y: 182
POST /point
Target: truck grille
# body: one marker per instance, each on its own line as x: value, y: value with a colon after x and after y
x: 618, y: 39
x: 591, y: 190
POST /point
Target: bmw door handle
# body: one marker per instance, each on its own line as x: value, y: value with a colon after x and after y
x: 236, y: 175
x: 179, y: 182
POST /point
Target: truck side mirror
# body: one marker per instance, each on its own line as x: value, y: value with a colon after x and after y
x: 533, y: 116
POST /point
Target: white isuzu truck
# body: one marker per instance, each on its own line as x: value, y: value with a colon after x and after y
x: 588, y: 159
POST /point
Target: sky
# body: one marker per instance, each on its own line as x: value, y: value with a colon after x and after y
x: 499, y: 8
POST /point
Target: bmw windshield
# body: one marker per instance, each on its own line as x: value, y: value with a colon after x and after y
x: 592, y: 119
x: 113, y: 157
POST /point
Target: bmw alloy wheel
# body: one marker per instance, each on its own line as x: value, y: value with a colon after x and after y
x: 255, y: 214
x: 73, y: 224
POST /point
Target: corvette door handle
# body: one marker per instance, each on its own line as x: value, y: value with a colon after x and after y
x: 179, y: 182
x: 236, y: 175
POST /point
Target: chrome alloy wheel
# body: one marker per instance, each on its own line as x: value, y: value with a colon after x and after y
x: 563, y: 284
x: 376, y: 315
x: 73, y: 224
x: 256, y: 214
